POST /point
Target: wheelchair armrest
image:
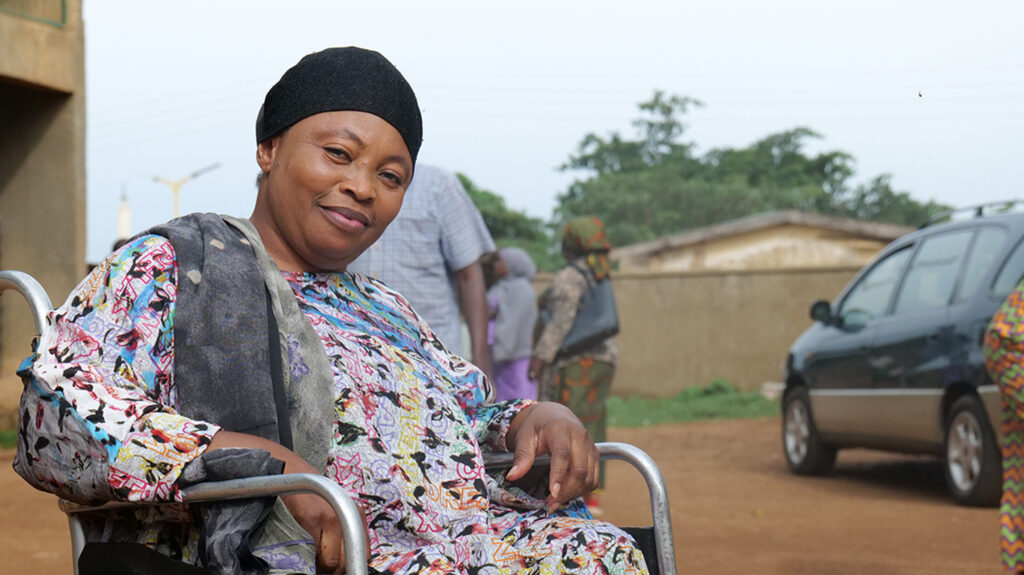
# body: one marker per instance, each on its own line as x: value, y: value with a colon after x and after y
x: 655, y: 486
x: 352, y: 526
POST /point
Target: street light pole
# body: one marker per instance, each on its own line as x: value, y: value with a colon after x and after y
x: 176, y: 185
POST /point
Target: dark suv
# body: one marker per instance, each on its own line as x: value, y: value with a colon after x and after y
x: 896, y: 362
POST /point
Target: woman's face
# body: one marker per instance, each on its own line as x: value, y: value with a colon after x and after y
x: 331, y: 184
x: 568, y: 254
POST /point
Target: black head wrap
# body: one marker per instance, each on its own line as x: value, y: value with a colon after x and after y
x: 338, y: 79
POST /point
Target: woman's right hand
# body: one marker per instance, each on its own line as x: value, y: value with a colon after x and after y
x: 318, y: 518
x: 311, y: 511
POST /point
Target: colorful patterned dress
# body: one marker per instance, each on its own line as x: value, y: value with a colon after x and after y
x: 98, y: 421
x: 1004, y: 358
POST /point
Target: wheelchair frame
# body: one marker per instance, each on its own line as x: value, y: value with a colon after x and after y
x: 356, y: 553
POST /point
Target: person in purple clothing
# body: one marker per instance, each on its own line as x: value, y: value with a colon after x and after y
x: 514, y: 322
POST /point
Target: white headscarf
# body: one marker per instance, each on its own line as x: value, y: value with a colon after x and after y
x: 517, y: 307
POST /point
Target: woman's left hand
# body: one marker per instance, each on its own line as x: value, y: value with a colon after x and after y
x: 550, y: 428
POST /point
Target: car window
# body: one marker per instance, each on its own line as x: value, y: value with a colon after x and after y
x: 871, y: 296
x: 1011, y: 274
x: 987, y: 246
x: 932, y: 275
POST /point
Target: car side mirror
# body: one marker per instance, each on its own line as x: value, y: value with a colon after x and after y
x: 821, y: 311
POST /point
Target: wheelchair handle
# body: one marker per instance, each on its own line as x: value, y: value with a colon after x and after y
x: 33, y: 292
x: 352, y: 527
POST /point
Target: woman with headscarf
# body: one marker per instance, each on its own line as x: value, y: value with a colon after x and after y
x: 211, y: 343
x: 516, y: 306
x: 579, y: 380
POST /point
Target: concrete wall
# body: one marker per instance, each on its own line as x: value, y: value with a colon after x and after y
x: 685, y: 329
x: 42, y: 172
x: 39, y: 52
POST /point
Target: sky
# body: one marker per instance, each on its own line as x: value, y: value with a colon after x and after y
x: 930, y: 92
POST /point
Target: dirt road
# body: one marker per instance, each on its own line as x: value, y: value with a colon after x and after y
x: 735, y: 509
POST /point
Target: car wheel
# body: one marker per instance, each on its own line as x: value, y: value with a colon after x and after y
x: 804, y: 450
x: 973, y: 465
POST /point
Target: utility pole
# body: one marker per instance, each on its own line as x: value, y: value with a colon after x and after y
x: 176, y: 185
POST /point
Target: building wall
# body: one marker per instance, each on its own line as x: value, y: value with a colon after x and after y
x: 788, y: 246
x: 685, y: 329
x: 42, y: 169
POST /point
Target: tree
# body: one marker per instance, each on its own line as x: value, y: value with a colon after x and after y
x: 511, y: 227
x: 659, y: 131
x: 778, y: 161
x: 877, y: 201
x: 654, y: 185
x: 645, y: 205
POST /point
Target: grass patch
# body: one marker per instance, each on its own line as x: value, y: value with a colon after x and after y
x: 716, y: 400
x: 8, y: 437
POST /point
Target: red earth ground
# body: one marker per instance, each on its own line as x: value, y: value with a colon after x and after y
x: 735, y: 509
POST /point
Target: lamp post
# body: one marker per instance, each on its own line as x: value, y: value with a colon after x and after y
x: 176, y: 185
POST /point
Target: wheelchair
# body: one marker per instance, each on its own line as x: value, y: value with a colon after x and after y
x: 656, y: 540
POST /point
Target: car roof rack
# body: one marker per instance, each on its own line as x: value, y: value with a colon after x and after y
x: 979, y: 210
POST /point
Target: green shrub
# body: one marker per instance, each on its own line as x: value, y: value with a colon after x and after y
x: 719, y: 399
x: 8, y: 437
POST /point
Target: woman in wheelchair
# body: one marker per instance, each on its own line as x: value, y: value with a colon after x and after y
x: 208, y: 343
